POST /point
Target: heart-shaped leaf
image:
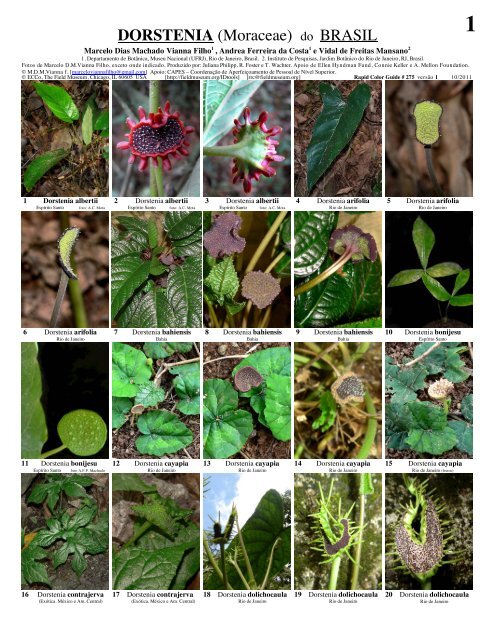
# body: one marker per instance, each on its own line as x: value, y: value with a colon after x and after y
x: 225, y: 427
x: 277, y: 412
x: 163, y: 433
x: 130, y: 369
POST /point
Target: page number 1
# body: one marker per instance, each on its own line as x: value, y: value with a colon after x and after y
x: 470, y: 23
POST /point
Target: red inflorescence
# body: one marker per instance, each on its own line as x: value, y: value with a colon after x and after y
x: 260, y: 149
x: 158, y: 135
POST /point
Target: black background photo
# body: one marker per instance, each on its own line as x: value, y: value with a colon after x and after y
x: 412, y: 305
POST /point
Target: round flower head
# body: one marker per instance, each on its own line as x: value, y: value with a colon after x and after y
x: 358, y: 244
x: 256, y: 149
x: 440, y: 389
x: 261, y: 288
x: 158, y: 135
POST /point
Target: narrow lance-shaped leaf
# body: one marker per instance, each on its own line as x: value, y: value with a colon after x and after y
x: 57, y: 100
x: 334, y: 128
x: 40, y: 165
x: 424, y: 240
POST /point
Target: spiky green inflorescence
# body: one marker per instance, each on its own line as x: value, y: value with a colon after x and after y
x: 420, y: 544
x: 65, y: 245
x: 335, y: 534
x: 222, y: 537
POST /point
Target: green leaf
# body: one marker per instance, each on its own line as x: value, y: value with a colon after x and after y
x: 434, y: 362
x: 443, y: 269
x: 83, y: 432
x: 132, y: 236
x: 87, y: 121
x: 234, y: 307
x: 57, y: 100
x: 32, y: 570
x: 464, y: 435
x: 328, y: 302
x: 102, y: 121
x: 402, y: 383
x: 184, y: 229
x: 152, y: 234
x: 225, y: 427
x: 120, y: 409
x: 79, y: 563
x: 157, y: 350
x: 465, y: 300
x: 434, y: 442
x: 437, y: 290
x: 224, y: 100
x: 131, y: 482
x: 186, y: 384
x: 34, y: 433
x: 328, y: 412
x: 467, y: 407
x: 455, y: 369
x: 334, y: 127
x: 262, y: 530
x: 424, y: 240
x: 128, y: 273
x: 277, y: 411
x: 405, y: 277
x: 149, y: 395
x: 426, y: 424
x: 222, y: 280
x: 37, y: 168
x: 182, y: 304
x: 370, y: 323
x: 366, y: 299
x: 312, y: 231
x: 130, y: 368
x: 135, y: 568
x: 158, y: 513
x: 163, y: 433
x: 461, y: 280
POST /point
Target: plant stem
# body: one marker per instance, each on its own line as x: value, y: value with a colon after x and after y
x: 75, y: 293
x: 431, y: 170
x: 138, y: 534
x: 224, y: 568
x: 52, y: 452
x: 266, y: 240
x: 321, y: 277
x: 227, y: 151
x: 334, y: 575
x: 275, y: 261
x: 269, y: 568
x: 213, y: 316
x: 357, y: 557
x: 423, y: 355
x: 64, y: 279
x: 156, y: 173
x: 370, y: 434
x: 239, y: 573
x: 251, y: 578
x: 212, y: 560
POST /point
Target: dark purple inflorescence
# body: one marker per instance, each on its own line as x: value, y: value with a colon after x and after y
x: 223, y: 238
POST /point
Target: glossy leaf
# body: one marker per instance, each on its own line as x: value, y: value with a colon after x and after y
x: 57, y: 100
x: 132, y: 236
x: 128, y: 274
x: 443, y: 269
x: 130, y: 369
x: 408, y: 276
x: 461, y: 280
x: 424, y: 240
x: 32, y: 570
x: 370, y: 323
x: 223, y: 100
x: 436, y: 289
x: 102, y: 121
x: 225, y: 427
x: 186, y: 384
x: 182, y: 304
x: 312, y: 231
x: 163, y: 433
x: 366, y: 298
x: 33, y: 422
x: 277, y: 410
x: 334, y: 127
x: 37, y: 168
x: 465, y: 300
x: 184, y: 229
